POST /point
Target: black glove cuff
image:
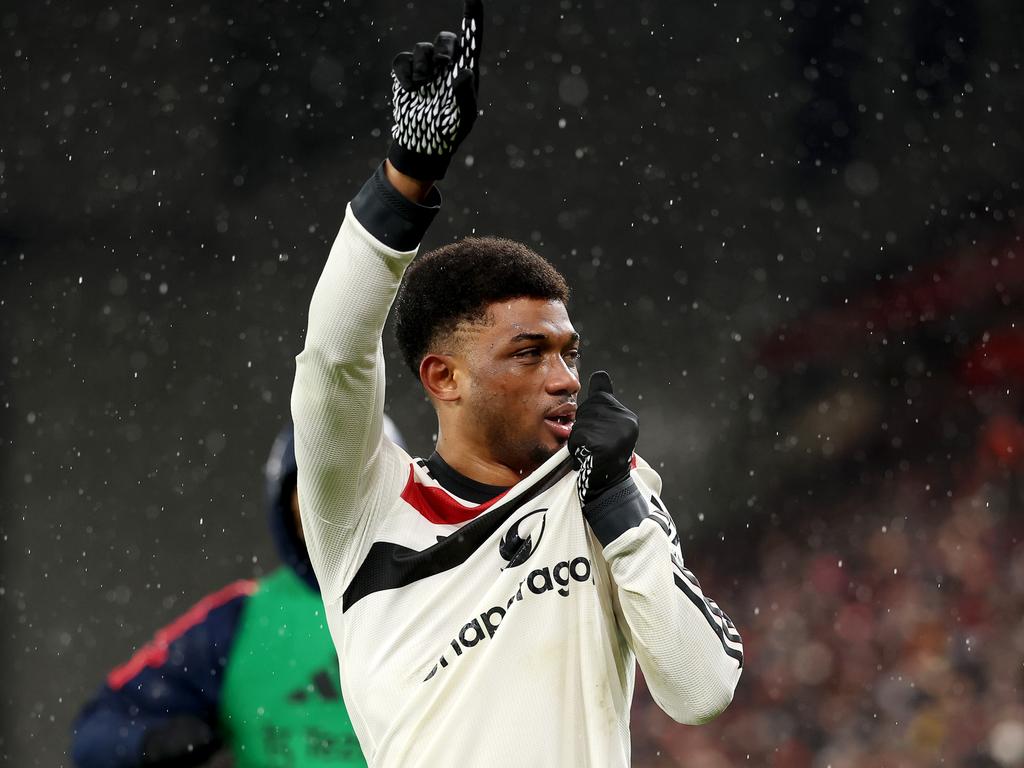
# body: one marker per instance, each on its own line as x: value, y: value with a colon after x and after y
x: 416, y: 164
x: 390, y: 217
x: 615, y: 510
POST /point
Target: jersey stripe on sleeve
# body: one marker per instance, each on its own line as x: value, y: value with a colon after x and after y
x: 720, y: 623
x: 687, y: 582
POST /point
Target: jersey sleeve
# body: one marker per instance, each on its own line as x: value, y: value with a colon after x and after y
x: 688, y: 648
x: 179, y: 672
x: 338, y: 395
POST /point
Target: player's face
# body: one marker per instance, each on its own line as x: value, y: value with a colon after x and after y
x: 522, y: 381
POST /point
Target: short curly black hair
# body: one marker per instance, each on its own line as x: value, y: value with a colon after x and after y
x: 457, y: 282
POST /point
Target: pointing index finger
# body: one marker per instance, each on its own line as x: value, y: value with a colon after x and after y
x: 472, y: 34
x: 473, y: 10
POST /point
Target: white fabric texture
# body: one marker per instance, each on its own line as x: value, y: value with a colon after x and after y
x: 489, y: 662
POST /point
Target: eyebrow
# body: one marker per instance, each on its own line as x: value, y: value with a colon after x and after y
x: 575, y: 337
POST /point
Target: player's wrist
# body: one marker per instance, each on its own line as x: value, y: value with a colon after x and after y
x: 615, y: 509
x: 393, y: 218
x: 410, y: 187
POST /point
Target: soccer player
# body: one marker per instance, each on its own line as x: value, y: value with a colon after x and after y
x: 250, y: 669
x: 489, y: 604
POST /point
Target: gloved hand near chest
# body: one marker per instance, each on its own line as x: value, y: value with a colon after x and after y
x: 601, y: 444
x: 602, y: 439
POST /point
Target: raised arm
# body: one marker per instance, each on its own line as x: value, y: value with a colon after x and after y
x: 688, y: 648
x: 338, y: 395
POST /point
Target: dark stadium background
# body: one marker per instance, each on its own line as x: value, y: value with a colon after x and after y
x: 793, y: 229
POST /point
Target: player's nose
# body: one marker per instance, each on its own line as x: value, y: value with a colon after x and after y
x: 563, y: 379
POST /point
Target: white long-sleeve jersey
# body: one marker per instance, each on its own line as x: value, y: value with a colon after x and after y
x: 503, y: 634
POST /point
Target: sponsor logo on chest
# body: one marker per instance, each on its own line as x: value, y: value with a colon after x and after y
x: 515, y: 548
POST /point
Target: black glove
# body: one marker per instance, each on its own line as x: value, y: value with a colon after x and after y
x: 182, y: 741
x: 602, y: 439
x: 434, y: 89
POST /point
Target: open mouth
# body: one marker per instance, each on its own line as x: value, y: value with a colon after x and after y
x: 560, y: 421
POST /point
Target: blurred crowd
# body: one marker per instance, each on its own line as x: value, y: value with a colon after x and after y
x: 887, y: 632
x: 881, y: 598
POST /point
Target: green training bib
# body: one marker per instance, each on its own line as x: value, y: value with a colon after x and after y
x: 281, y: 703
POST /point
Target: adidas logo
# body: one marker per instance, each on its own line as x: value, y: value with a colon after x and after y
x: 321, y: 685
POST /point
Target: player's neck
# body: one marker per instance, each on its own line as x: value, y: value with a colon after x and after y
x: 476, y: 464
x: 459, y: 485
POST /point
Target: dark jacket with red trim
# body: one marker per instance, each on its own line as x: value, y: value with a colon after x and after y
x: 179, y: 675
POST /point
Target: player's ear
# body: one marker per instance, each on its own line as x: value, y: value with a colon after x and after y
x: 438, y: 376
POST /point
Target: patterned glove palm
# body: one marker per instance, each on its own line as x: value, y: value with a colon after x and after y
x: 602, y: 439
x: 434, y: 92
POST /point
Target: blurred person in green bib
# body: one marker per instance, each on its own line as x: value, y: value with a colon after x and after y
x: 249, y: 671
